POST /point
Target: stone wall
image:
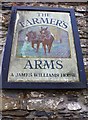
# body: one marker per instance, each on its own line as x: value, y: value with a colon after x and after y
x: 46, y: 104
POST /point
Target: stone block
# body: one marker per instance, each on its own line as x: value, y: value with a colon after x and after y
x: 46, y: 104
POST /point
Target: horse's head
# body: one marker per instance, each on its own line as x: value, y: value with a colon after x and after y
x: 43, y: 30
x: 31, y: 35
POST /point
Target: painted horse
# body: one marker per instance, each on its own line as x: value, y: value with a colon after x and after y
x: 47, y: 38
x: 34, y: 39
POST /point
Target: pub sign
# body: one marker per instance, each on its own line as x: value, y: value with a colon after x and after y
x: 42, y: 50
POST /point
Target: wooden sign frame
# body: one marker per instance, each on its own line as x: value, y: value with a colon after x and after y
x: 51, y: 63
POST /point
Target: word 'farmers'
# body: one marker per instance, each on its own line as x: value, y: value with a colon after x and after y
x: 48, y: 21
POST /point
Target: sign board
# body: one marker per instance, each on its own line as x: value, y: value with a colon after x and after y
x: 42, y: 50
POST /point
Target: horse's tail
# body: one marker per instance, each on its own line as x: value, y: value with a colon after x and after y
x: 52, y: 37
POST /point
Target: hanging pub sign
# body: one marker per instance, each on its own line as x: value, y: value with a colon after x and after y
x: 42, y: 50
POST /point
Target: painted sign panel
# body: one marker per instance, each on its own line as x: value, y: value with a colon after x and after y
x: 43, y: 49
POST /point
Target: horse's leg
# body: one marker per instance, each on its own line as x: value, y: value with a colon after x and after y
x: 32, y: 44
x: 38, y: 44
x: 44, y: 46
x: 49, y: 46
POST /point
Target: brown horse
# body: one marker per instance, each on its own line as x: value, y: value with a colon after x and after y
x: 34, y: 39
x: 47, y: 38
